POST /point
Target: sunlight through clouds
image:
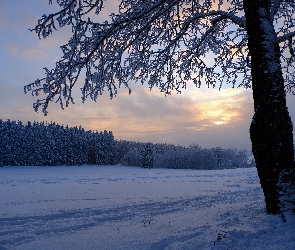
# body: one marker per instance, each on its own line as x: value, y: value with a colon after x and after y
x: 148, y: 114
x: 222, y: 111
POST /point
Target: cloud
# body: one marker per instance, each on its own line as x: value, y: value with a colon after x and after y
x: 149, y: 116
x: 19, y: 50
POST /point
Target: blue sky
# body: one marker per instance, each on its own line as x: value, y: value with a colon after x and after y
x: 206, y: 117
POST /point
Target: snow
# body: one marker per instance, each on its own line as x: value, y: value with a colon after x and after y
x: 120, y: 207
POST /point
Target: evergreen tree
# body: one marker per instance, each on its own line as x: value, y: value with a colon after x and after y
x: 147, y: 159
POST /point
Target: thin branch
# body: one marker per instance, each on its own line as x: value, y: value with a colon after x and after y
x: 285, y: 37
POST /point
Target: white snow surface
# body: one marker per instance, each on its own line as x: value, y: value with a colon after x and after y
x: 120, y: 207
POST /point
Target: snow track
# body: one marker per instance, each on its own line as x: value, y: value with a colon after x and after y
x: 118, y: 207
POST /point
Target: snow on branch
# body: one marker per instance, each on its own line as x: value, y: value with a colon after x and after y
x: 285, y: 37
x: 66, y: 16
x: 274, y: 8
x: 285, y: 28
x: 162, y: 43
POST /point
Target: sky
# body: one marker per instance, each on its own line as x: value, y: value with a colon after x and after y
x: 207, y: 117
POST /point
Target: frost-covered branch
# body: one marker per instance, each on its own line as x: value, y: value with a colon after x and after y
x: 162, y: 43
x: 274, y: 8
x: 285, y: 27
x: 66, y: 16
x: 286, y: 37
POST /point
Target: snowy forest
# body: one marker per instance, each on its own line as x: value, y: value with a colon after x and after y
x: 50, y: 144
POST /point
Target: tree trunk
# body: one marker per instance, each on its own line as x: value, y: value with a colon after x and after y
x: 271, y: 129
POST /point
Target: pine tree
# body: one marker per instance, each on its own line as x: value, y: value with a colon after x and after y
x: 147, y: 160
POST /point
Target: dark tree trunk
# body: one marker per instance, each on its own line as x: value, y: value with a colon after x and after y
x: 271, y: 129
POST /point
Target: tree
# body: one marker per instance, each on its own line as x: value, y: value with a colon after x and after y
x: 164, y: 43
x: 147, y: 152
x: 133, y: 157
x: 105, y: 150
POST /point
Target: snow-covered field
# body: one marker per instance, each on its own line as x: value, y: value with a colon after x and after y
x: 119, y: 207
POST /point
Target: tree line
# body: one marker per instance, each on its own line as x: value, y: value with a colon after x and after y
x: 51, y: 144
x: 160, y: 155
